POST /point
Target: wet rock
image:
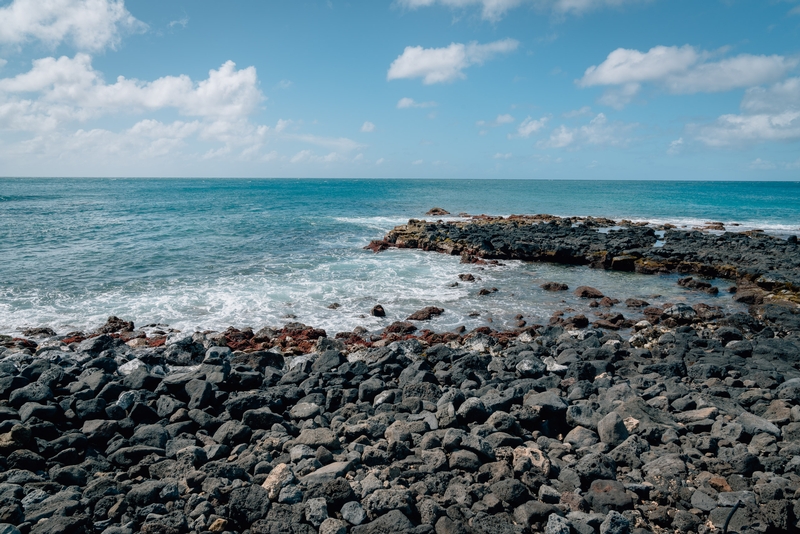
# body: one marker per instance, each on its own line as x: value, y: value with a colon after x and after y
x: 425, y: 314
x: 587, y: 292
x: 437, y: 211
x: 554, y: 286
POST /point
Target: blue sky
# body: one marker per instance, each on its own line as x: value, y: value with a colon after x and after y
x: 545, y: 89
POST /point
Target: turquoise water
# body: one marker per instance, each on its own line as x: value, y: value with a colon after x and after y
x: 213, y: 253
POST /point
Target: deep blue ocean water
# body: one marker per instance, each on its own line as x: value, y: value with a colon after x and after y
x: 206, y: 254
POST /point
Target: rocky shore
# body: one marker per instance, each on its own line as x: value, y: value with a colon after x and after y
x: 765, y: 267
x: 668, y: 419
x: 691, y: 424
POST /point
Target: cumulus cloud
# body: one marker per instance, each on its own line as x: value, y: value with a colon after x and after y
x: 494, y: 10
x: 440, y: 65
x: 681, y: 70
x: 89, y: 25
x: 502, y: 156
x: 768, y: 114
x: 58, y: 95
x: 598, y: 132
x: 779, y: 97
x: 367, y: 127
x: 734, y: 129
x: 530, y: 126
x: 405, y: 103
x: 70, y: 89
x: 106, y: 152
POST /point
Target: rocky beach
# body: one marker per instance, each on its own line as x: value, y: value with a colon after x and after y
x: 634, y: 419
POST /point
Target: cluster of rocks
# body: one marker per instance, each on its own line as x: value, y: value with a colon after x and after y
x: 689, y: 425
x: 764, y: 266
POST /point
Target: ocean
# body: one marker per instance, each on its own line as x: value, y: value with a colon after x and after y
x: 205, y: 254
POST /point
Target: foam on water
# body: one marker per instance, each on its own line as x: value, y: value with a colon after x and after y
x: 207, y: 254
x: 400, y: 280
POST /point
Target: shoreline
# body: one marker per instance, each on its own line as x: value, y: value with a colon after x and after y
x: 415, y: 432
x: 637, y: 419
x: 764, y: 267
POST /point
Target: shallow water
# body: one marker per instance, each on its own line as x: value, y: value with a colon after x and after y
x: 206, y: 254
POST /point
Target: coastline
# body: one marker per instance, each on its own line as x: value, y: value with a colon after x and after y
x: 638, y: 418
x: 764, y: 267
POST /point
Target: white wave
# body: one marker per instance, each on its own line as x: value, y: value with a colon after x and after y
x: 403, y: 281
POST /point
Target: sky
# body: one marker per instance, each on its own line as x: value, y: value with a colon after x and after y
x: 541, y: 89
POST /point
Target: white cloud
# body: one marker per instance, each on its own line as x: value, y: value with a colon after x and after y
x: 440, y: 65
x: 530, y: 126
x: 56, y: 96
x: 341, y: 144
x: 768, y: 114
x: 90, y: 25
x: 494, y: 10
x: 146, y: 142
x: 681, y: 70
x: 405, y: 103
x: 734, y: 129
x: 285, y: 84
x: 502, y: 156
x: 379, y: 161
x: 579, y: 7
x: 781, y: 96
x: 303, y: 155
x: 306, y: 156
x: 561, y: 137
x: 499, y: 121
x: 69, y: 89
x: 367, y: 127
x: 282, y: 124
x: 620, y: 97
x: 418, y: 162
x: 760, y: 164
x: 598, y: 132
x: 182, y: 22
x: 490, y: 9
x: 675, y: 147
x: 585, y: 110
